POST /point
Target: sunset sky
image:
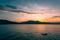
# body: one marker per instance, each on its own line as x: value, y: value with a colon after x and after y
x: 25, y: 10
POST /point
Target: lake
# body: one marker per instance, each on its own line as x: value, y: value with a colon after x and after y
x: 29, y: 32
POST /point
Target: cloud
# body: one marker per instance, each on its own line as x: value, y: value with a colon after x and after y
x: 55, y: 17
x: 7, y: 7
x: 11, y: 6
x: 30, y: 9
x: 35, y: 8
x: 2, y: 7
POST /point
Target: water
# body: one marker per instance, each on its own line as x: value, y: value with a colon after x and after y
x: 29, y: 32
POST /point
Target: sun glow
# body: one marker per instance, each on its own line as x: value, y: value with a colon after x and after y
x: 41, y: 20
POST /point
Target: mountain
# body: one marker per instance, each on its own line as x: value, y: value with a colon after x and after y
x: 7, y: 22
x: 30, y: 22
x: 37, y: 22
x: 27, y: 22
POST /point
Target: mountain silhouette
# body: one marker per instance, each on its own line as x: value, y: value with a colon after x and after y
x: 30, y: 22
x: 6, y: 22
x: 37, y: 22
x: 26, y: 22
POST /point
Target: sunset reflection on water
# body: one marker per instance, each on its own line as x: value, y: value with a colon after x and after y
x: 38, y: 28
x: 30, y: 31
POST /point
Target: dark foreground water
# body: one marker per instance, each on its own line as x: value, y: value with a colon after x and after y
x: 29, y: 32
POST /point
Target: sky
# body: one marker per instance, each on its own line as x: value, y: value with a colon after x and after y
x: 25, y: 10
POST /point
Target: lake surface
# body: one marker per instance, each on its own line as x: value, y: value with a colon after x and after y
x: 29, y: 32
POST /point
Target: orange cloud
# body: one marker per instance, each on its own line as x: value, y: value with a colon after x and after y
x: 56, y: 19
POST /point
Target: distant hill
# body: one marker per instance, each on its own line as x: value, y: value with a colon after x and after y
x: 30, y: 22
x: 7, y: 22
x: 37, y: 22
x: 27, y: 22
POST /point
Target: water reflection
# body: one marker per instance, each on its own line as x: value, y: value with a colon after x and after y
x: 30, y: 32
x: 37, y: 28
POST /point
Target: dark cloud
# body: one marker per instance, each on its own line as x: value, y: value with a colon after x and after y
x: 11, y: 6
x: 2, y: 7
x: 18, y: 11
x: 14, y: 9
x: 56, y: 17
x: 5, y: 7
